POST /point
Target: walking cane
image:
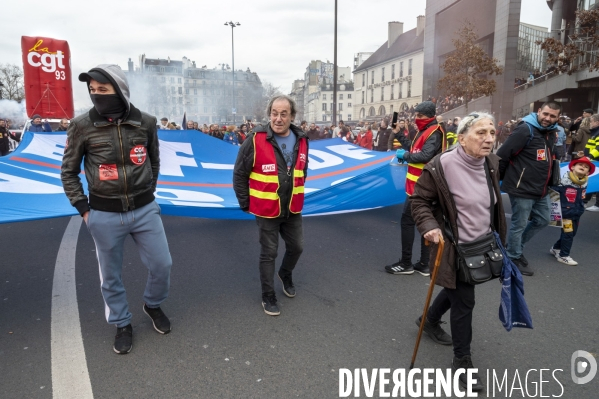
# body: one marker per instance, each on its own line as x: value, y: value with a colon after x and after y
x: 428, y: 296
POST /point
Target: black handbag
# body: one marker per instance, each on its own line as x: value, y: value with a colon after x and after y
x: 479, y: 260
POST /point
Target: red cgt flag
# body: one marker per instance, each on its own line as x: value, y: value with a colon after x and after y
x: 47, y: 75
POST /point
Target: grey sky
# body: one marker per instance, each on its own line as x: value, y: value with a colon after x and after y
x: 275, y: 39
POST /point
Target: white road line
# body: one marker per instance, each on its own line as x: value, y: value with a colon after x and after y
x: 70, y: 378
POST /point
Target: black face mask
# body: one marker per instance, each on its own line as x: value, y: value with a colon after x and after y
x: 110, y: 106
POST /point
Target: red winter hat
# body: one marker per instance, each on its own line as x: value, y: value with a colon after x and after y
x: 583, y: 160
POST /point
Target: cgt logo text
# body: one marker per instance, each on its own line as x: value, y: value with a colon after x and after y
x: 440, y: 383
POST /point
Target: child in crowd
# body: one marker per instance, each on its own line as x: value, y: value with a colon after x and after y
x: 572, y: 190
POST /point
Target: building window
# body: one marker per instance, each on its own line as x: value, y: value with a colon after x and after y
x: 172, y: 80
x: 180, y: 90
x: 349, y: 117
x: 410, y: 89
x: 195, y: 92
x: 194, y: 82
x: 383, y: 74
x: 392, y: 92
x: 349, y: 105
x: 372, y: 77
x: 392, y: 72
x: 332, y: 107
x: 362, y: 97
x: 410, y: 66
x: 401, y: 69
x: 163, y: 79
x: 324, y: 117
x: 341, y: 96
x: 173, y: 89
x: 179, y: 80
x: 372, y: 95
x: 340, y: 106
x: 324, y: 96
x: 324, y: 106
x: 391, y: 108
x: 349, y: 96
x: 180, y: 100
x: 186, y: 91
x: 363, y: 79
x: 205, y: 110
x: 195, y: 100
x: 383, y: 93
x: 400, y: 94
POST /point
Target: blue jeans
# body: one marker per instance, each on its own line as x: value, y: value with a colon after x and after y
x: 564, y: 244
x: 522, y: 229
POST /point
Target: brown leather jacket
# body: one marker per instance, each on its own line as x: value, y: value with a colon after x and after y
x: 432, y: 199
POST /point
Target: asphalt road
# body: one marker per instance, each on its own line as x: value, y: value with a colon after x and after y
x: 348, y: 313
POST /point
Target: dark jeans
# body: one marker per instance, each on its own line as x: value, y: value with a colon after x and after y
x: 564, y: 244
x: 292, y: 233
x: 529, y: 216
x: 461, y: 302
x: 407, y: 237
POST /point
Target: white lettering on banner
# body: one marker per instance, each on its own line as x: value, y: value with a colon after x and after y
x: 218, y: 166
x: 47, y: 61
x: 18, y: 185
x: 350, y: 151
x: 327, y: 160
x: 188, y: 198
x: 47, y: 145
x: 170, y: 162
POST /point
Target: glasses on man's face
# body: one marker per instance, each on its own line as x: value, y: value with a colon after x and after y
x: 282, y: 115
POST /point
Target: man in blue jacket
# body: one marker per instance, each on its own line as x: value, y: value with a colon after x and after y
x: 525, y: 169
x: 37, y: 126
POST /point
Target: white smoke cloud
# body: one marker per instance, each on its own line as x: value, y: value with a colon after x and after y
x: 10, y: 109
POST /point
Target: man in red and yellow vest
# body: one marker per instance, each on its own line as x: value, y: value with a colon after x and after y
x: 428, y: 142
x: 268, y: 179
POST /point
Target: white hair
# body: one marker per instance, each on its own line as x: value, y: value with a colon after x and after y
x: 469, y: 120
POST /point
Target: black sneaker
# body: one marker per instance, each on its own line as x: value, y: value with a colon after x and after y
x: 288, y: 288
x: 466, y: 363
x: 523, y: 260
x: 161, y: 323
x: 524, y: 269
x: 399, y: 268
x: 422, y: 268
x: 269, y: 303
x: 435, y: 331
x: 123, y: 340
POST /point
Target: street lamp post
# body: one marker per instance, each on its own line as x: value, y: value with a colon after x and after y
x: 233, y: 25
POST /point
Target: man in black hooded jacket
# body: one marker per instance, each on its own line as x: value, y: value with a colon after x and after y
x: 118, y: 145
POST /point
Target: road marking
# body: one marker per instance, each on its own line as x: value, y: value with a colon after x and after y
x: 70, y: 378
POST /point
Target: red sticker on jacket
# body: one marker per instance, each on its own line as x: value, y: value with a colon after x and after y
x: 109, y: 172
x: 571, y: 194
x: 541, y: 155
x: 138, y: 154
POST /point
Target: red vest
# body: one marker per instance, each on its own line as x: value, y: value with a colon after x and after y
x: 415, y: 169
x: 264, y: 179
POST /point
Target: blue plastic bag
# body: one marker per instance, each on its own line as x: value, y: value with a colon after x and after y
x: 513, y: 310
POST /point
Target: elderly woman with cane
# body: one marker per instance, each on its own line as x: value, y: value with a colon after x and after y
x: 458, y: 198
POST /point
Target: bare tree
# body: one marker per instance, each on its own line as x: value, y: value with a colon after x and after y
x: 11, y: 82
x: 258, y: 100
x: 581, y: 50
x: 468, y: 69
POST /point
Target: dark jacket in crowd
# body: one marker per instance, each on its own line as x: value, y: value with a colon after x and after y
x: 313, y: 134
x: 432, y: 200
x: 245, y: 163
x: 525, y: 166
x: 4, y: 142
x: 383, y: 139
x: 580, y: 140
